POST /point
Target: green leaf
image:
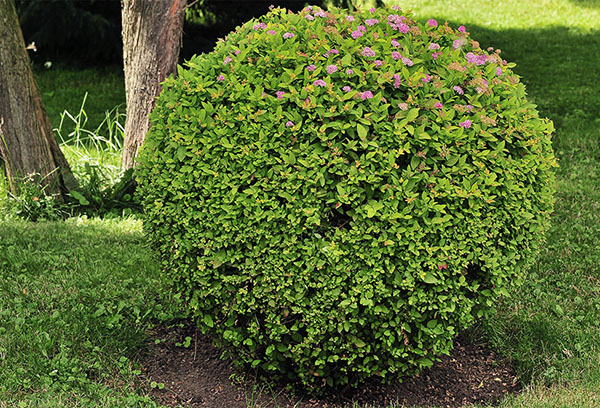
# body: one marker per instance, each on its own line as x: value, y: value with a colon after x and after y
x: 362, y: 131
x: 79, y: 197
x: 181, y: 153
x: 429, y: 278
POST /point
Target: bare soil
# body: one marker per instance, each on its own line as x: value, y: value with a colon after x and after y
x: 195, y: 377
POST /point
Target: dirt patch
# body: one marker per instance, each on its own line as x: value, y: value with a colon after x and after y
x: 194, y: 376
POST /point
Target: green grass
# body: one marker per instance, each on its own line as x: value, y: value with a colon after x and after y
x: 76, y: 299
x: 64, y: 88
x: 79, y: 294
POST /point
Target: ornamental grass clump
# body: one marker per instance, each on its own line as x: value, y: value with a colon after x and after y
x: 335, y: 196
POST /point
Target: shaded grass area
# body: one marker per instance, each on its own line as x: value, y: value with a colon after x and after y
x: 76, y: 299
x: 64, y: 87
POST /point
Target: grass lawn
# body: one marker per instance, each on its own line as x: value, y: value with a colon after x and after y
x: 77, y: 296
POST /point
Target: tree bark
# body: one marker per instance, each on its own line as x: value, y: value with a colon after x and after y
x: 151, y: 41
x: 27, y: 144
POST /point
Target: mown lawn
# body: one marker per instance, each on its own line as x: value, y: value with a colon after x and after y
x: 77, y: 296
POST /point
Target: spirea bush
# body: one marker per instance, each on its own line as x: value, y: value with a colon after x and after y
x: 336, y: 196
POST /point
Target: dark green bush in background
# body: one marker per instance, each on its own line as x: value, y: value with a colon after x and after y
x: 336, y: 196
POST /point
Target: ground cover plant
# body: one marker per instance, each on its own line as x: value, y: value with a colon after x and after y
x: 548, y: 328
x: 336, y: 195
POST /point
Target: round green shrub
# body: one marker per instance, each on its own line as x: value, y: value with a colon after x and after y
x: 336, y: 196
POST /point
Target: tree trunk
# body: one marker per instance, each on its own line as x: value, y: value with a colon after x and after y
x: 27, y: 144
x: 151, y: 41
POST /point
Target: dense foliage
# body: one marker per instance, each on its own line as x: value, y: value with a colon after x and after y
x: 336, y: 196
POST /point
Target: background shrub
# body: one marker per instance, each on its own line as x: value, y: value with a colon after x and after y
x: 336, y: 196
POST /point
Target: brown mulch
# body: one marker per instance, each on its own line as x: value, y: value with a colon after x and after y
x: 196, y: 377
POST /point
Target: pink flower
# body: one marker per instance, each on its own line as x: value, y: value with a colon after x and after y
x: 331, y: 69
x: 469, y: 108
x: 371, y: 21
x: 438, y: 105
x: 396, y: 7
x: 350, y: 18
x: 362, y: 28
x: 407, y: 61
x: 227, y: 60
x: 396, y: 55
x: 309, y: 17
x: 378, y: 63
x: 476, y: 59
x: 458, y: 43
x: 498, y: 71
x: 368, y: 52
x: 356, y: 34
x: 333, y: 51
x: 221, y: 78
x: 319, y: 82
x: 462, y: 29
x: 403, y: 28
x: 311, y: 67
x: 426, y: 78
x: 272, y: 32
x: 466, y: 124
x: 346, y: 88
x: 349, y: 71
x: 403, y: 106
x: 434, y: 46
x: 259, y: 26
x: 280, y: 94
x: 435, y: 55
x: 321, y: 14
x: 288, y: 35
x: 372, y: 9
x: 397, y: 81
x: 395, y: 43
x: 432, y: 22
x: 366, y: 95
x: 289, y: 123
x: 236, y: 52
x: 458, y: 90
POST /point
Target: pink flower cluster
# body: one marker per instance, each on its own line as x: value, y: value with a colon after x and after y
x: 371, y: 21
x: 311, y: 67
x: 331, y: 68
x: 407, y: 61
x: 397, y: 23
x: 366, y: 95
x: 319, y: 82
x: 368, y: 52
x: 280, y: 94
x: 259, y: 26
x: 397, y: 81
x: 432, y: 23
x: 395, y: 43
x: 466, y: 124
x: 458, y: 90
x: 476, y: 59
x: 458, y: 43
x: 288, y: 35
x: 227, y: 60
x: 434, y: 46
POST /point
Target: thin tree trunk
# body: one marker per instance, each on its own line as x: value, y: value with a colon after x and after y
x: 27, y: 144
x: 151, y: 41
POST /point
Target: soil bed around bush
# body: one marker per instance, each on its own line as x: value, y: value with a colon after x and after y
x: 195, y: 376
